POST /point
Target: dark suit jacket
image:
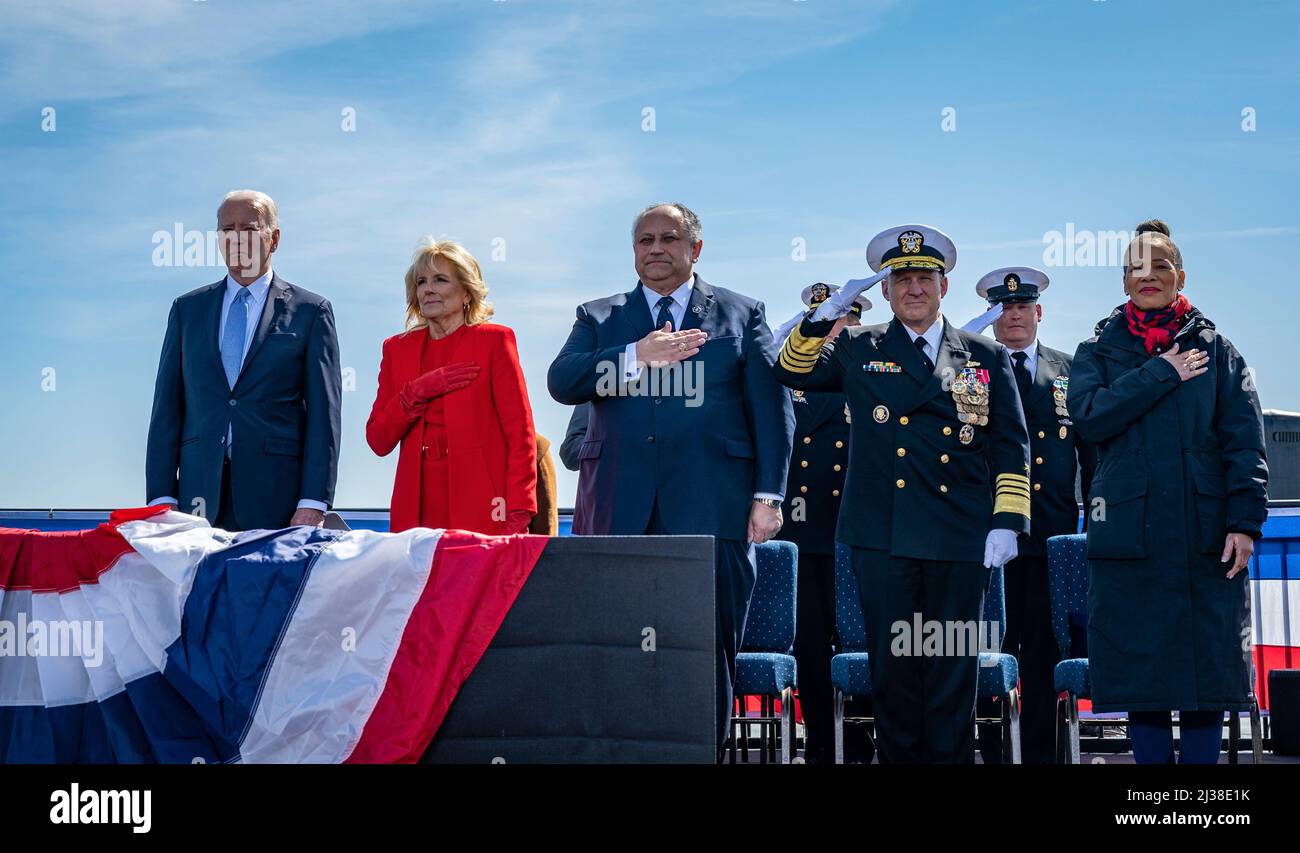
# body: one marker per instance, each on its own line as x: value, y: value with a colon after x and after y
x: 915, y: 488
x: 1058, y: 454
x: 574, y: 435
x: 817, y: 469
x: 701, y: 456
x: 283, y: 410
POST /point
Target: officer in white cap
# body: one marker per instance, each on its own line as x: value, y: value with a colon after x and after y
x: 818, y: 463
x: 1059, y: 457
x: 937, y: 489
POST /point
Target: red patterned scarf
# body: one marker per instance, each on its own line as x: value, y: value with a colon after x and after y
x: 1156, y: 329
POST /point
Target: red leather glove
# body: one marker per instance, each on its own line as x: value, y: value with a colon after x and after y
x: 420, y: 390
x: 517, y: 521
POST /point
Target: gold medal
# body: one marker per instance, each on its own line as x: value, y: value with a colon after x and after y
x: 1064, y: 432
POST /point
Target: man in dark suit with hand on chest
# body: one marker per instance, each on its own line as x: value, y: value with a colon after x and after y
x: 689, y: 432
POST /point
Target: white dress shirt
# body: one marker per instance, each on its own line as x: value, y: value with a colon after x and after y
x: 681, y: 298
x: 257, y: 292
x: 933, y: 336
x: 1031, y: 360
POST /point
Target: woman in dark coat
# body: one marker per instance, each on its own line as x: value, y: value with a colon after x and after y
x: 1177, y: 501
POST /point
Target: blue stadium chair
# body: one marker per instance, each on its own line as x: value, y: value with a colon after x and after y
x: 999, y: 676
x: 765, y: 666
x: 851, y: 668
x: 1067, y: 570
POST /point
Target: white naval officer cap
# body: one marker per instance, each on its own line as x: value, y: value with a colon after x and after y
x: 912, y: 247
x: 1012, y: 284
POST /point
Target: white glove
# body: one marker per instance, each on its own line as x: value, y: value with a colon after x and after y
x: 1000, y: 548
x: 839, y: 302
x: 983, y: 321
x: 787, y: 327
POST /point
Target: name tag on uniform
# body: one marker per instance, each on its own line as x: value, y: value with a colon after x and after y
x: 882, y: 367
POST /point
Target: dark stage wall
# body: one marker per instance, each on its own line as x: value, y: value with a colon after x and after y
x: 568, y: 677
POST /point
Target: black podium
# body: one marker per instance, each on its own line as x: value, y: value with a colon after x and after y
x: 606, y: 656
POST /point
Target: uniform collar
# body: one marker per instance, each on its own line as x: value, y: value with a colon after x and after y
x: 933, y: 335
x: 1031, y: 351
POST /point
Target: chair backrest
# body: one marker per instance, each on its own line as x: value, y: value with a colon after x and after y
x: 1067, y: 571
x: 995, y: 612
x: 849, y: 623
x: 770, y: 624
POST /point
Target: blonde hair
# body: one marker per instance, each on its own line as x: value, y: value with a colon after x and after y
x: 467, y: 271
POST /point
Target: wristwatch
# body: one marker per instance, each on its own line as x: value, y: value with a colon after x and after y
x: 772, y: 502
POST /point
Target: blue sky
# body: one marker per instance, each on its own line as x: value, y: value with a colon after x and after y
x: 522, y: 122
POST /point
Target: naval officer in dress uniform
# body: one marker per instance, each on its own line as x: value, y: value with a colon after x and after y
x: 937, y: 489
x: 818, y: 464
x: 1058, y: 457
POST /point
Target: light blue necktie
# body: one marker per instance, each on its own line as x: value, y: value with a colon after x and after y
x: 232, y: 340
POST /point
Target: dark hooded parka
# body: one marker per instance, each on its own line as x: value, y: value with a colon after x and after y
x: 1181, y: 464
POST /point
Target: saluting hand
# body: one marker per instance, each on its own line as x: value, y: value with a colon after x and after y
x: 1243, y: 546
x: 664, y: 346
x: 1189, y: 364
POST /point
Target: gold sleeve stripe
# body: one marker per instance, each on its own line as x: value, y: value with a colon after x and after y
x: 797, y: 343
x: 794, y: 367
x: 799, y: 354
x: 1007, y: 503
x: 799, y: 358
x: 1013, y: 480
x: 1012, y: 494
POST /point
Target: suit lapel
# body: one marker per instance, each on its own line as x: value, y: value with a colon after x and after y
x: 275, y: 302
x: 699, y: 306
x: 952, y: 358
x: 897, y: 344
x: 215, y: 299
x: 1045, y: 374
x: 636, y: 313
x: 407, y: 364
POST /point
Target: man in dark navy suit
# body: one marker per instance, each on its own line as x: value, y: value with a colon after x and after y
x: 245, y: 423
x: 689, y: 431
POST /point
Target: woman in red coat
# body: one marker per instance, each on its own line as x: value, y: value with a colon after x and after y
x: 452, y: 393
